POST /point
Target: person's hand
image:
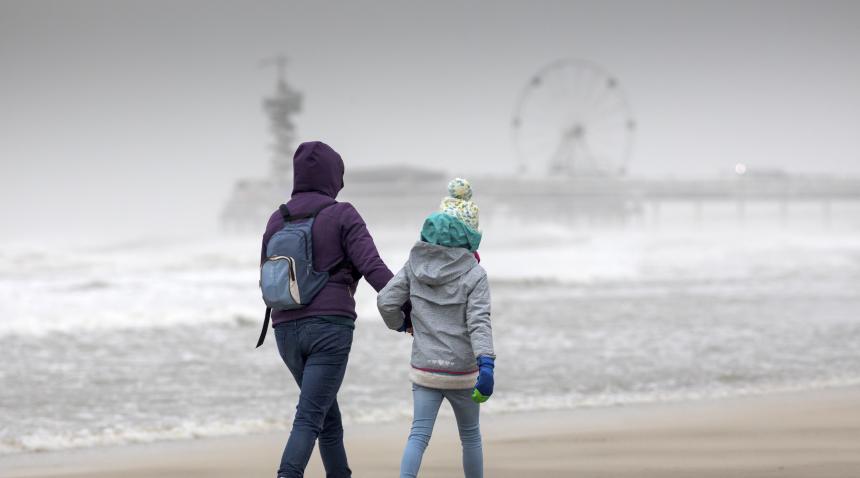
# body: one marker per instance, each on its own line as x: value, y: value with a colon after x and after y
x: 407, y: 311
x: 407, y: 318
x: 407, y: 326
x: 484, y: 386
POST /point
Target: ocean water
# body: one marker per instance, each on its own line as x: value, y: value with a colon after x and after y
x: 147, y: 340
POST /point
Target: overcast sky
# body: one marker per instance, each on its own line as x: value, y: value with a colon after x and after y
x: 131, y: 113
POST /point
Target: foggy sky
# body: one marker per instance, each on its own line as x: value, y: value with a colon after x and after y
x: 138, y: 116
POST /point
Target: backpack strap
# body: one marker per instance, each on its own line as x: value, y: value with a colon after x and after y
x: 285, y: 212
x: 265, y: 327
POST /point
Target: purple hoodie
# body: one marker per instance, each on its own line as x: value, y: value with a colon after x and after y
x: 339, y: 233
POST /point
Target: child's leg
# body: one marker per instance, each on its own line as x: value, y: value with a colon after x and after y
x: 426, y: 402
x: 467, y: 413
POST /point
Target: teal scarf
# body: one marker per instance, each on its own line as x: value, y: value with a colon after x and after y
x: 444, y: 230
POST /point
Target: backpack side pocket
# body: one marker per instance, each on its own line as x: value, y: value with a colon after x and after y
x: 278, y: 283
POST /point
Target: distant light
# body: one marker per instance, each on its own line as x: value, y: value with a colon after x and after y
x: 740, y: 168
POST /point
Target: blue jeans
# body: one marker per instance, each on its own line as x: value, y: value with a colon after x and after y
x: 427, y: 402
x: 316, y: 351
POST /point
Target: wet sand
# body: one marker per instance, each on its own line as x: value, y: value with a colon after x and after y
x: 805, y: 434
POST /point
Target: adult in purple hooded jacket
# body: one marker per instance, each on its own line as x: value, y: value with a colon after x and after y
x: 315, y: 341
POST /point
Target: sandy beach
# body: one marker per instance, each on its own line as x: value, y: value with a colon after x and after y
x: 804, y: 434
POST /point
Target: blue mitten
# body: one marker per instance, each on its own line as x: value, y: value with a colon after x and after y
x: 484, y: 386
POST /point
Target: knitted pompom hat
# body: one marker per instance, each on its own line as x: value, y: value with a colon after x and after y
x: 459, y: 203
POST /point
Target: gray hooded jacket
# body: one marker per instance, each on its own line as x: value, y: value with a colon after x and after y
x: 450, y: 313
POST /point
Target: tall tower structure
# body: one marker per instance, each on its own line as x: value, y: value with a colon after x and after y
x: 280, y: 107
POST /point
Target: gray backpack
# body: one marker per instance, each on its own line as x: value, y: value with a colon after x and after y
x: 287, y: 277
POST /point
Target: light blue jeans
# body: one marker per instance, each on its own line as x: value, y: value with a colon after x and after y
x: 427, y: 402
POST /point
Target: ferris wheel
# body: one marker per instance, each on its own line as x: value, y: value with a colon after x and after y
x: 572, y: 118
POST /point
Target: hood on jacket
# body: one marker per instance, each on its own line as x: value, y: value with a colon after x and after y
x: 436, y: 265
x: 317, y: 167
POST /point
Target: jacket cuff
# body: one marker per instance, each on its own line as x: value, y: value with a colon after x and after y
x: 379, y: 279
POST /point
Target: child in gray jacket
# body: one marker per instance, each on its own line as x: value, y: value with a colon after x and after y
x: 452, y: 351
